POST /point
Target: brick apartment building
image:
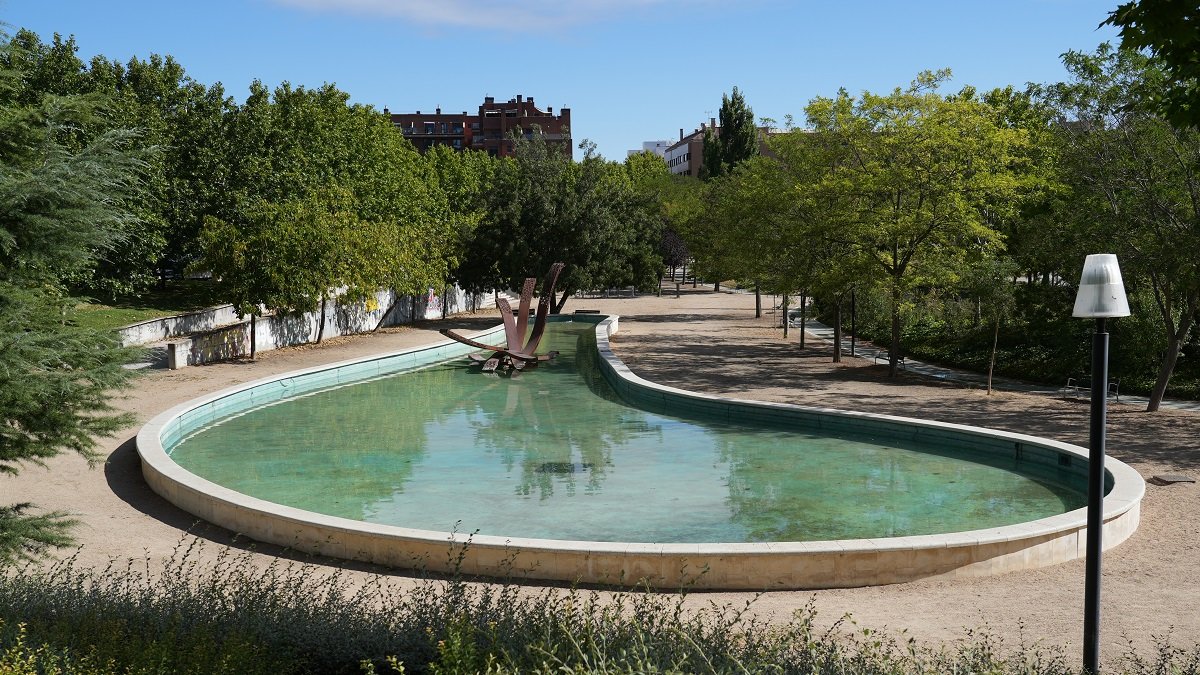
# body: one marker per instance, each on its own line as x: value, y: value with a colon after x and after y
x: 489, y: 130
x: 686, y: 156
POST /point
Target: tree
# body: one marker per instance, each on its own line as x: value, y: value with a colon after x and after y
x: 63, y: 202
x: 184, y: 180
x: 1136, y: 187
x: 1170, y: 30
x: 464, y: 178
x: 735, y: 142
x: 544, y: 208
x: 919, y: 174
x: 327, y: 198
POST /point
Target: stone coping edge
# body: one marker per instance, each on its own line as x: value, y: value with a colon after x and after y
x: 730, y: 566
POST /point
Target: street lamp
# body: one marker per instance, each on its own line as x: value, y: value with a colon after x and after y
x: 1101, y: 296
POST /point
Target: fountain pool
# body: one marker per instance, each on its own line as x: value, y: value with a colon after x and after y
x: 580, y: 471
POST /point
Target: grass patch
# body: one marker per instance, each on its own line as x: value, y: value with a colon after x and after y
x: 179, y: 296
x: 233, y: 616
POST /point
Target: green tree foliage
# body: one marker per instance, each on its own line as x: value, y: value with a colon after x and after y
x: 737, y: 140
x: 328, y: 198
x: 172, y: 113
x: 713, y: 238
x: 1170, y: 30
x: 65, y: 200
x: 683, y: 207
x: 184, y: 118
x: 544, y: 208
x: 1136, y: 190
x: 801, y: 232
x: 464, y: 178
x: 651, y: 179
x: 923, y: 178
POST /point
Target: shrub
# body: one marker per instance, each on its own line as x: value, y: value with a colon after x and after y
x: 234, y: 616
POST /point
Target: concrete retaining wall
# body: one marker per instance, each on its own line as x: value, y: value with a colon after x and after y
x: 216, y: 334
x: 154, y: 330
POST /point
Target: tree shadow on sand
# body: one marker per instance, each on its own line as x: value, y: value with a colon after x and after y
x: 787, y: 373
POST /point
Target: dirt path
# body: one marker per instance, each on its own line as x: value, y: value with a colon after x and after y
x: 1151, y: 582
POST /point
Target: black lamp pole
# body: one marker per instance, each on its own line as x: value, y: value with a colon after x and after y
x: 1101, y: 295
x: 1095, y: 512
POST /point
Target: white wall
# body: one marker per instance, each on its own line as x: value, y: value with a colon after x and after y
x: 212, y: 342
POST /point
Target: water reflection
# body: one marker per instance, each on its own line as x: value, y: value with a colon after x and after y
x: 548, y: 423
x: 542, y: 456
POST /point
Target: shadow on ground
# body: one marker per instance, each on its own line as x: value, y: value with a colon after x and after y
x: 785, y: 372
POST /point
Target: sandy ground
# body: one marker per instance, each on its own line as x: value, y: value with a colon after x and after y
x: 712, y: 342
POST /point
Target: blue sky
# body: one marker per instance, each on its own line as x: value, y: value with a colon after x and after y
x: 630, y: 70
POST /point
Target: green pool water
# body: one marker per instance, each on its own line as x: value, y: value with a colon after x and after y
x: 555, y: 454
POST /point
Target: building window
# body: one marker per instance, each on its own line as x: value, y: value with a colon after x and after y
x: 429, y: 126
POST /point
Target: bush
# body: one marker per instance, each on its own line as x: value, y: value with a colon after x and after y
x: 1039, y: 340
x: 291, y: 617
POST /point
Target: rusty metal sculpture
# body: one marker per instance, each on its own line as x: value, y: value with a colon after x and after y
x: 519, y: 353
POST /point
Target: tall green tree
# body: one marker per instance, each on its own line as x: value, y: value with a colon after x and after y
x: 464, y: 178
x: 921, y: 173
x: 326, y: 197
x: 544, y: 208
x: 65, y: 199
x: 184, y: 180
x: 1135, y: 186
x: 735, y: 142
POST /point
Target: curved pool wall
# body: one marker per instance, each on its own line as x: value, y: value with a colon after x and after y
x: 752, y: 566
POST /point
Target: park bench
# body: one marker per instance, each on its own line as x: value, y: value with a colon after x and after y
x: 1082, y: 386
x: 886, y: 356
x: 627, y: 292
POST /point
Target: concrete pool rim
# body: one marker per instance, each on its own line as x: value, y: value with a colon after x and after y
x: 732, y: 566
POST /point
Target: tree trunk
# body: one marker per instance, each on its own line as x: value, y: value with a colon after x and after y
x: 992, y: 364
x: 445, y: 304
x: 557, y: 307
x: 321, y: 320
x: 837, y: 330
x: 253, y: 346
x: 853, y: 319
x: 894, y: 356
x: 784, y: 304
x: 412, y: 309
x: 803, y: 314
x: 758, y: 308
x: 1174, y: 342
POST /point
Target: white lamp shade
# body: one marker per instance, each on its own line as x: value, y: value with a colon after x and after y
x: 1101, y: 290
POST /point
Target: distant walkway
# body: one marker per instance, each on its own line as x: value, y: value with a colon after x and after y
x: 867, y: 350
